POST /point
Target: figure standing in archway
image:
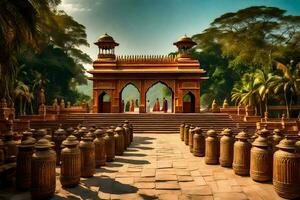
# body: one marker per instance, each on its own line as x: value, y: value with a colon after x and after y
x: 156, y: 107
x: 148, y: 107
x: 127, y: 107
x: 132, y: 106
x: 165, y: 105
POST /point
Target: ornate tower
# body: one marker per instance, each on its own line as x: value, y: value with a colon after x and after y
x: 106, y: 45
x: 184, y: 45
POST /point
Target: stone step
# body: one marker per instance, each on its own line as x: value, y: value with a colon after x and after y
x: 145, y: 123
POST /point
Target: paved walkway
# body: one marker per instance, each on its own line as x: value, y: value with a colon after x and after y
x: 160, y: 166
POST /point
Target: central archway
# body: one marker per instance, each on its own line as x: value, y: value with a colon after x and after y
x: 162, y: 92
x: 129, y: 99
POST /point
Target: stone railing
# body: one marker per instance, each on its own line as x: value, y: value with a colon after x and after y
x: 150, y: 59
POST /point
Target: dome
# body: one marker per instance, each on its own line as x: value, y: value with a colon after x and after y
x: 185, y: 41
x: 105, y: 38
x: 106, y: 41
x: 184, y: 38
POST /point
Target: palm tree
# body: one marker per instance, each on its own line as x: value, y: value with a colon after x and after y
x: 24, y: 95
x: 244, y: 92
x: 261, y: 85
x: 288, y: 82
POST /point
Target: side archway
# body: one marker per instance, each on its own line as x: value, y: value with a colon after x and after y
x: 104, y: 103
x: 188, y: 103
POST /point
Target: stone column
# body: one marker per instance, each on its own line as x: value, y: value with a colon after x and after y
x: 142, y: 97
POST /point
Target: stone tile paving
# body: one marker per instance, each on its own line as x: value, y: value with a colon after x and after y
x: 160, y: 166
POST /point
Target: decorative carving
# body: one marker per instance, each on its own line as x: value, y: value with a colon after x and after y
x: 145, y: 59
x: 189, y: 85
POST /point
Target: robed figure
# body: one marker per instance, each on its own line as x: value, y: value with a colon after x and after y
x: 132, y: 106
x: 156, y: 107
x: 137, y: 103
x: 165, y: 105
x: 148, y: 106
x: 127, y: 107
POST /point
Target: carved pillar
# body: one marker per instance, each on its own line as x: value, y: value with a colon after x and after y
x: 197, y: 101
x: 95, y: 99
x: 115, y: 100
x: 178, y: 97
x: 142, y: 97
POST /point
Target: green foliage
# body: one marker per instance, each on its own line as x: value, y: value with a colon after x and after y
x: 239, y: 50
x: 42, y: 51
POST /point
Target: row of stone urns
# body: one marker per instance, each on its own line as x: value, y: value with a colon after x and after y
x: 265, y: 159
x: 8, y: 146
x: 36, y: 161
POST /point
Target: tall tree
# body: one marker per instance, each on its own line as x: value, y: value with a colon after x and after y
x: 18, y: 26
x: 243, y: 42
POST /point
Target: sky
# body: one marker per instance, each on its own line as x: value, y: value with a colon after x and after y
x: 149, y: 27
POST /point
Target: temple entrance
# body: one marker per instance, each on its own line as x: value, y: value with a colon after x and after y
x: 104, y: 103
x: 189, y: 103
x: 153, y: 76
x: 159, y: 99
x: 129, y: 99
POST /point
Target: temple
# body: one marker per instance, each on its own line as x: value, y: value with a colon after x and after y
x: 111, y: 74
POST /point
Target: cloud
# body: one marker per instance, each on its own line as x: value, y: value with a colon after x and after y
x: 73, y: 7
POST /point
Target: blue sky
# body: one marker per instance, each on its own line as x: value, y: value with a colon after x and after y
x: 151, y: 26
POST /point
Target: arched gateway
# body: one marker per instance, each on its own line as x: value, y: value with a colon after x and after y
x: 111, y: 74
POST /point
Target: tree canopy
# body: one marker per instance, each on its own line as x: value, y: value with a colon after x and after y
x: 40, y: 48
x: 241, y: 52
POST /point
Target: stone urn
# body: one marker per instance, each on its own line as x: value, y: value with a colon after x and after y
x: 39, y: 134
x: 277, y: 137
x: 82, y: 131
x: 198, y: 143
x: 92, y: 131
x: 70, y: 169
x: 241, y: 154
x: 131, y: 132
x: 43, y: 175
x: 261, y: 158
x: 186, y: 134
x: 212, y: 148
x: 58, y: 137
x: 109, y: 145
x: 119, y: 141
x: 10, y: 146
x: 191, y: 136
x: 87, y: 148
x: 100, y: 155
x: 123, y: 133
x: 69, y: 131
x: 226, y: 148
x: 28, y: 135
x: 2, y: 152
x: 126, y: 135
x: 23, y: 171
x: 286, y: 170
x: 181, y: 131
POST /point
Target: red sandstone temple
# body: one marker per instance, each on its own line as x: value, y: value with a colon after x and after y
x: 111, y: 74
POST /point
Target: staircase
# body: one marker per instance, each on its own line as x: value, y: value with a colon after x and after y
x: 154, y: 123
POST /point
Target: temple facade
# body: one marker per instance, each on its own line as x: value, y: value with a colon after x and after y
x: 111, y: 74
